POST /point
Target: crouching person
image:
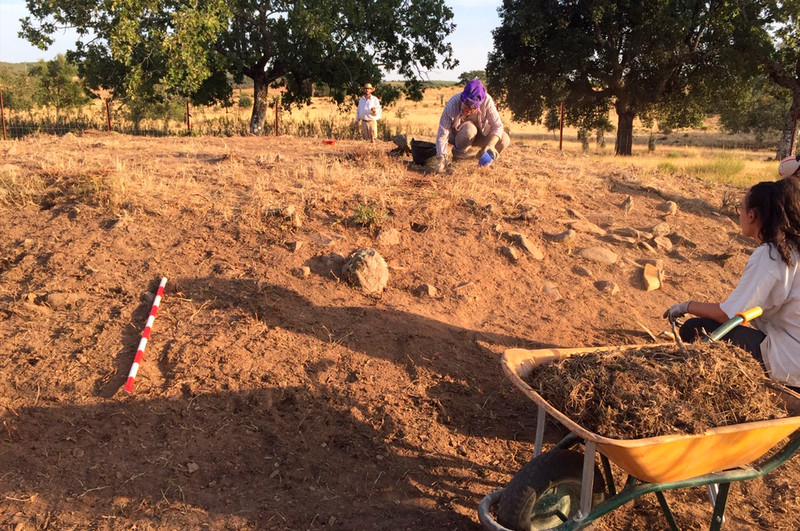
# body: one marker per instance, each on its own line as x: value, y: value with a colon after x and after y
x: 470, y: 118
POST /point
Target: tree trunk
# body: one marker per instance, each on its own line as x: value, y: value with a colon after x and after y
x: 785, y: 147
x: 260, y: 105
x: 624, y: 132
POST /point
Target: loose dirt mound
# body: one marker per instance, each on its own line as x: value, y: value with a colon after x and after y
x: 653, y: 391
x: 272, y: 395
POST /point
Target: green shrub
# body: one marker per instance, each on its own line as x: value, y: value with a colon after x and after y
x: 667, y: 167
x: 369, y: 216
x: 723, y: 169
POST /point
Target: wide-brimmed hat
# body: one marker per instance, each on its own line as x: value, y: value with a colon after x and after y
x: 789, y: 166
x: 368, y: 86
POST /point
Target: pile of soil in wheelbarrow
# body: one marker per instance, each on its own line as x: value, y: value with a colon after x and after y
x: 659, y: 390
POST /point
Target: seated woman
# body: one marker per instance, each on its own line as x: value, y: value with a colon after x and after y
x: 770, y: 214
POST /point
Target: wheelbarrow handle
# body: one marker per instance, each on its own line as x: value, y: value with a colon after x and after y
x: 740, y: 318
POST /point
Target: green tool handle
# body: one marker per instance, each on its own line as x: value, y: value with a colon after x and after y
x: 739, y: 319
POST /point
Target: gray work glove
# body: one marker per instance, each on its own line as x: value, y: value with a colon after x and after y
x: 677, y: 310
x: 442, y: 164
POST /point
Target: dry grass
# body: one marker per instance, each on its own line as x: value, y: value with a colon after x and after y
x: 707, y: 153
x: 658, y: 390
x: 240, y: 180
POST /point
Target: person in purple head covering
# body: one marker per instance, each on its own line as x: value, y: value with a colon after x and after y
x: 469, y: 119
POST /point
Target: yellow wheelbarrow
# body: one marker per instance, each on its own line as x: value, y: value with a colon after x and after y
x: 564, y: 490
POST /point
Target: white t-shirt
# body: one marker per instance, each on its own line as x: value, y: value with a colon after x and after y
x: 365, y: 106
x: 768, y: 282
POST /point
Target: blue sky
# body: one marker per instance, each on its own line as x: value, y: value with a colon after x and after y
x: 472, y: 39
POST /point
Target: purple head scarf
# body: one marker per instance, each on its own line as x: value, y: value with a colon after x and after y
x: 474, y: 93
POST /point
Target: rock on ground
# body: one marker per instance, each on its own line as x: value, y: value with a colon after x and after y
x: 366, y: 269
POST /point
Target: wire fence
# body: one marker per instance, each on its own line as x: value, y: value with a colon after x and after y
x: 197, y: 121
x: 235, y: 121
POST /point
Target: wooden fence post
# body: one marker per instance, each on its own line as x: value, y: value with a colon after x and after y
x: 561, y: 128
x: 3, y: 113
x: 276, y: 116
x: 108, y: 116
x: 188, y: 121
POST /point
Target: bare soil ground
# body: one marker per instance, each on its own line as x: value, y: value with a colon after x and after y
x: 272, y: 400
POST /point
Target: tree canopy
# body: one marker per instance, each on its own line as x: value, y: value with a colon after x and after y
x: 57, y: 86
x: 51, y: 83
x: 756, y: 106
x: 662, y: 58
x: 771, y: 34
x: 194, y: 47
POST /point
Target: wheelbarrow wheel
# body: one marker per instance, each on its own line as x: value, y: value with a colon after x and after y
x: 546, y: 492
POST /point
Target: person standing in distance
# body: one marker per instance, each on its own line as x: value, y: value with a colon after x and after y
x: 368, y: 113
x: 470, y: 118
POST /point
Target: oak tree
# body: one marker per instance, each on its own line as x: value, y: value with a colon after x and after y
x: 662, y: 58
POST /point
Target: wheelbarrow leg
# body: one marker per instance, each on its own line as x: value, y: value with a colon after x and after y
x: 719, y: 507
x: 666, y: 510
x: 587, y: 481
x: 713, y: 491
x: 541, y: 416
x: 609, y: 476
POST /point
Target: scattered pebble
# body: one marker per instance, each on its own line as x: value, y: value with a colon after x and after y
x: 388, y: 236
x: 599, y: 254
x: 661, y: 229
x: 521, y: 241
x: 647, y: 247
x: 652, y: 277
x: 629, y: 232
x: 426, y: 290
x: 551, y: 290
x: 562, y: 237
x: 588, y: 227
x: 582, y: 271
x: 607, y: 286
x: 679, y: 239
x: 297, y: 221
x: 510, y: 253
x: 663, y: 243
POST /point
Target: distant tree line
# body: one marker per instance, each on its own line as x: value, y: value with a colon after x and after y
x: 51, y: 84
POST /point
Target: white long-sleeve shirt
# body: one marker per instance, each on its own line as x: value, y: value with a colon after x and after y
x: 488, y: 121
x: 365, y: 106
x: 769, y: 283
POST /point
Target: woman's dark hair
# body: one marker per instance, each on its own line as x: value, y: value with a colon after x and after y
x: 777, y: 206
